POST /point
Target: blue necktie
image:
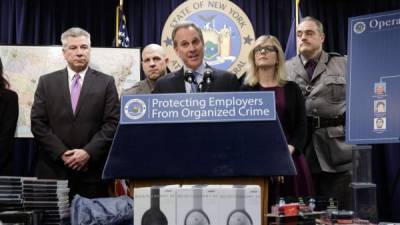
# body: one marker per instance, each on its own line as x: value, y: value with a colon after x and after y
x: 193, y: 86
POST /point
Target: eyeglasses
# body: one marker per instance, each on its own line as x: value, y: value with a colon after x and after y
x: 265, y: 49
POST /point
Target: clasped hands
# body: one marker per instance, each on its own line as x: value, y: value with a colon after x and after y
x: 76, y: 159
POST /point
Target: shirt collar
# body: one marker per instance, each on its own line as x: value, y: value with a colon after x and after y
x: 72, y: 73
x: 305, y: 61
x: 199, y: 69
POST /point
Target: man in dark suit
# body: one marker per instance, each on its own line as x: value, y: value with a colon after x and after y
x: 74, y: 117
x: 189, y: 46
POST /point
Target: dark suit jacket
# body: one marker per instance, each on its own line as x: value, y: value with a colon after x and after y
x: 294, y: 122
x: 175, y: 82
x: 8, y: 123
x: 57, y: 129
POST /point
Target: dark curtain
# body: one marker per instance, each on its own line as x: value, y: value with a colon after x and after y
x: 41, y: 22
x: 34, y: 22
x: 334, y: 15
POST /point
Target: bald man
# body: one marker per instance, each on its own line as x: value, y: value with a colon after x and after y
x: 154, y: 64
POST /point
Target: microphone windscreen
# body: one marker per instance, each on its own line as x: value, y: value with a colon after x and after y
x: 189, y: 76
x: 208, y: 76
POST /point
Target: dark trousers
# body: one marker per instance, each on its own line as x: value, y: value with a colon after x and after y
x: 336, y: 185
x: 88, y: 189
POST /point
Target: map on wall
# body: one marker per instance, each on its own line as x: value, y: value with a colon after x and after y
x: 23, y: 65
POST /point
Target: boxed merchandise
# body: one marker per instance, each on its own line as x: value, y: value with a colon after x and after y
x: 155, y: 205
x: 197, y: 204
x: 240, y: 204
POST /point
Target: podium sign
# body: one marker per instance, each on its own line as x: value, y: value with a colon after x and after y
x: 373, y: 82
x: 198, y: 107
x: 205, y: 144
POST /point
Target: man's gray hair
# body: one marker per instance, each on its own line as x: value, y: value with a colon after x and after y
x: 73, y: 32
x: 317, y: 22
x: 186, y: 24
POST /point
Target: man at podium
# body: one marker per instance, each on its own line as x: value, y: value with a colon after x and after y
x: 195, y: 75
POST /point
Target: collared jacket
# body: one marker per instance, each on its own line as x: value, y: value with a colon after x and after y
x: 325, y: 96
x: 141, y: 87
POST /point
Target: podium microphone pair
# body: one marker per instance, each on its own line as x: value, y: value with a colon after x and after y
x: 203, y: 86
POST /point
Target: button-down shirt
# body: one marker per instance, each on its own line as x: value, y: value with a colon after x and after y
x: 198, y: 76
x: 71, y: 75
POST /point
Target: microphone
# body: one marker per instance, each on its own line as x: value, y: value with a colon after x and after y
x: 189, y: 77
x: 208, y: 78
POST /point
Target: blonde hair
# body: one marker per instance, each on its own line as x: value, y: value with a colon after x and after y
x: 279, y: 73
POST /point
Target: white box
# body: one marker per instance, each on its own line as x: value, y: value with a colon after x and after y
x: 197, y: 204
x: 155, y: 205
x: 240, y: 204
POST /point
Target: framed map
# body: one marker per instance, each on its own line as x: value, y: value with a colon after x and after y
x: 23, y: 65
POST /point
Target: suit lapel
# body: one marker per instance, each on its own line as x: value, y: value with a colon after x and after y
x: 179, y: 81
x: 146, y: 88
x: 86, y: 86
x: 321, y: 66
x: 66, y: 91
x: 299, y: 68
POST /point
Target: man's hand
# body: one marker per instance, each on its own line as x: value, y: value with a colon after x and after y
x: 76, y: 159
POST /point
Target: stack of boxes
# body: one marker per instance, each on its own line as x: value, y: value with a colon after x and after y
x: 49, y: 197
x: 11, y: 198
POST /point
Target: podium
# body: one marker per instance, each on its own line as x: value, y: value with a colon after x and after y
x: 238, y: 152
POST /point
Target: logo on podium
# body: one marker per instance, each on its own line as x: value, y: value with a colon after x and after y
x: 135, y: 109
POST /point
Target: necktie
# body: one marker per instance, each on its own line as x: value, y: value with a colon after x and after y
x: 193, y: 88
x: 310, y: 67
x: 194, y: 85
x: 75, y: 91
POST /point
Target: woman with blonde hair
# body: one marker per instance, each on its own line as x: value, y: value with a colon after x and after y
x: 266, y: 72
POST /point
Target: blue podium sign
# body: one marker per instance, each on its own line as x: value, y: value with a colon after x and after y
x: 198, y: 107
x: 244, y: 140
x: 373, y: 82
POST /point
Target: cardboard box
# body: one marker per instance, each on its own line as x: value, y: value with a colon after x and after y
x: 240, y: 204
x: 155, y: 205
x: 197, y: 204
